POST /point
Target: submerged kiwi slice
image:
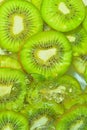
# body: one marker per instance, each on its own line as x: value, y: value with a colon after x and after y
x: 10, y: 120
x: 56, y: 90
x: 9, y: 62
x: 18, y: 21
x: 80, y: 63
x: 78, y: 40
x: 63, y: 15
x: 43, y: 116
x: 78, y: 100
x: 47, y: 53
x: 75, y: 119
x: 12, y: 88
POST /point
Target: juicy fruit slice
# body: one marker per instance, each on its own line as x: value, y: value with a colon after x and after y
x: 75, y: 119
x: 63, y: 15
x: 80, y: 63
x: 9, y: 62
x: 12, y: 89
x: 17, y: 23
x: 47, y: 53
x: 10, y: 120
x: 43, y: 115
x: 78, y: 100
x: 55, y: 90
x: 78, y: 40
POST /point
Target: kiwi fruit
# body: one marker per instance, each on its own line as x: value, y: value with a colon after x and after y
x: 9, y: 62
x: 13, y: 85
x: 78, y: 100
x: 85, y: 2
x: 18, y: 23
x: 63, y: 15
x: 10, y: 120
x: 57, y: 90
x: 43, y: 116
x: 37, y: 3
x: 80, y: 63
x: 78, y: 40
x: 74, y: 119
x: 47, y: 53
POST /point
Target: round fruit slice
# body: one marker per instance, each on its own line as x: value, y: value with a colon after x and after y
x: 63, y: 15
x: 78, y: 39
x: 80, y: 63
x: 18, y: 21
x: 57, y: 90
x: 10, y: 120
x: 75, y: 119
x: 47, y: 53
x: 9, y: 62
x: 43, y: 116
x: 12, y: 89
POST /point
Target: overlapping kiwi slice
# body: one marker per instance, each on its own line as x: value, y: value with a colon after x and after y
x: 80, y: 63
x: 57, y: 90
x: 37, y: 3
x: 43, y: 116
x: 63, y: 15
x: 18, y: 21
x: 75, y: 119
x: 12, y: 89
x: 9, y: 62
x: 78, y: 40
x: 47, y: 53
x: 10, y: 120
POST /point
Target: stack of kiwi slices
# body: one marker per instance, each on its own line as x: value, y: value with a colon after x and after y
x: 43, y: 65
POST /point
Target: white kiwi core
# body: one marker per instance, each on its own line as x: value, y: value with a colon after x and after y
x: 39, y: 123
x: 63, y: 8
x: 45, y: 55
x: 77, y: 125
x: 71, y: 38
x: 8, y: 127
x: 4, y: 89
x: 18, y: 25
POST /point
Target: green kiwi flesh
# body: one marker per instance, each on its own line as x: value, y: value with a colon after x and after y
x: 74, y: 119
x: 43, y: 116
x: 80, y: 63
x: 47, y: 53
x: 78, y: 100
x: 78, y: 40
x: 10, y: 120
x: 12, y: 89
x: 56, y: 90
x: 9, y: 62
x: 37, y: 3
x: 18, y: 23
x: 63, y: 15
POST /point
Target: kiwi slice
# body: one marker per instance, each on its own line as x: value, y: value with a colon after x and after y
x: 12, y: 89
x: 43, y: 116
x: 37, y: 3
x: 18, y: 21
x: 78, y: 40
x: 63, y: 15
x: 10, y: 120
x: 75, y: 119
x: 80, y: 63
x: 47, y: 53
x: 9, y: 62
x: 56, y: 90
x: 78, y: 100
